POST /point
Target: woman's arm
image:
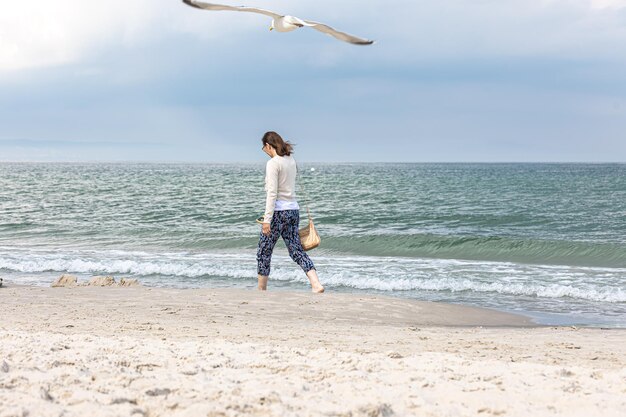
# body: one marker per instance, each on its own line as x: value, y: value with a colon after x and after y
x: 271, y: 187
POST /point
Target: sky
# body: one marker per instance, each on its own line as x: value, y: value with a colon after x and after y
x: 446, y: 81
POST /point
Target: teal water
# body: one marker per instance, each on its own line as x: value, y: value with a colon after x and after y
x: 547, y: 240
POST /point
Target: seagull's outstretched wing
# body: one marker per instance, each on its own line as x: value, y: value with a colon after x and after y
x: 342, y: 36
x: 211, y: 6
x: 346, y: 37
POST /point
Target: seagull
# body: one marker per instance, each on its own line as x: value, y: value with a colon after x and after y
x: 284, y: 23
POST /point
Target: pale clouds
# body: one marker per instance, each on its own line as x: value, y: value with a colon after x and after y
x: 460, y: 29
x: 41, y: 33
x: 603, y: 4
x: 44, y: 33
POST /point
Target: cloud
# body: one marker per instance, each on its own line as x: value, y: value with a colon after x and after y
x: 447, y: 80
x: 47, y: 33
x: 43, y: 33
x: 608, y: 4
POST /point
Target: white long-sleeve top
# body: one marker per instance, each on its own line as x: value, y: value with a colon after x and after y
x: 280, y: 185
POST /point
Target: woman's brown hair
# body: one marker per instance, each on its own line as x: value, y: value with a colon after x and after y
x: 283, y: 148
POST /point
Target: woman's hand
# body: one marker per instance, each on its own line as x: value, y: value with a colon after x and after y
x: 266, y: 229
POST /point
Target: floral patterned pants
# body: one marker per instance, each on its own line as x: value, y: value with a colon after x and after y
x: 284, y: 223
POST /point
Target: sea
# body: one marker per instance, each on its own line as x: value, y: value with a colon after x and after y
x: 544, y: 240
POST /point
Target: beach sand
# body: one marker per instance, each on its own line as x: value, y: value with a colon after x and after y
x: 90, y: 351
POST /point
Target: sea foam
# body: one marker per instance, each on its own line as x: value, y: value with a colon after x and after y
x: 357, y: 272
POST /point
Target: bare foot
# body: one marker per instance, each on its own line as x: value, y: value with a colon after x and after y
x: 317, y: 289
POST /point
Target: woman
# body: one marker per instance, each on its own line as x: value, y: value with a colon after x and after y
x: 282, y: 215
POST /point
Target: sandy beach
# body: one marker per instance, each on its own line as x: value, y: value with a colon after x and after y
x: 216, y: 352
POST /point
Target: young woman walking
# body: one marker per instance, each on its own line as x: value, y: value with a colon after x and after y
x: 282, y: 215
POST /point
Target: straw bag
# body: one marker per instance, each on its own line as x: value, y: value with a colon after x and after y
x: 309, y: 237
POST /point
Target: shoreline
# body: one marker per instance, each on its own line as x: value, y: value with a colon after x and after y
x: 530, y: 318
x: 345, y: 306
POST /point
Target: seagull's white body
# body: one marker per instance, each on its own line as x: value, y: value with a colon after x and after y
x: 287, y: 23
x: 282, y: 23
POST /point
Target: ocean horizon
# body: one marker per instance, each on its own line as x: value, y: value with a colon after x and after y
x: 546, y: 240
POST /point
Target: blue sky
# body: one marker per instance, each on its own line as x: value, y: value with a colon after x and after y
x: 447, y: 80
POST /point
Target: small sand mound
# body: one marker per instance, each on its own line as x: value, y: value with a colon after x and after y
x: 101, y: 281
x: 127, y: 282
x: 65, y: 280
